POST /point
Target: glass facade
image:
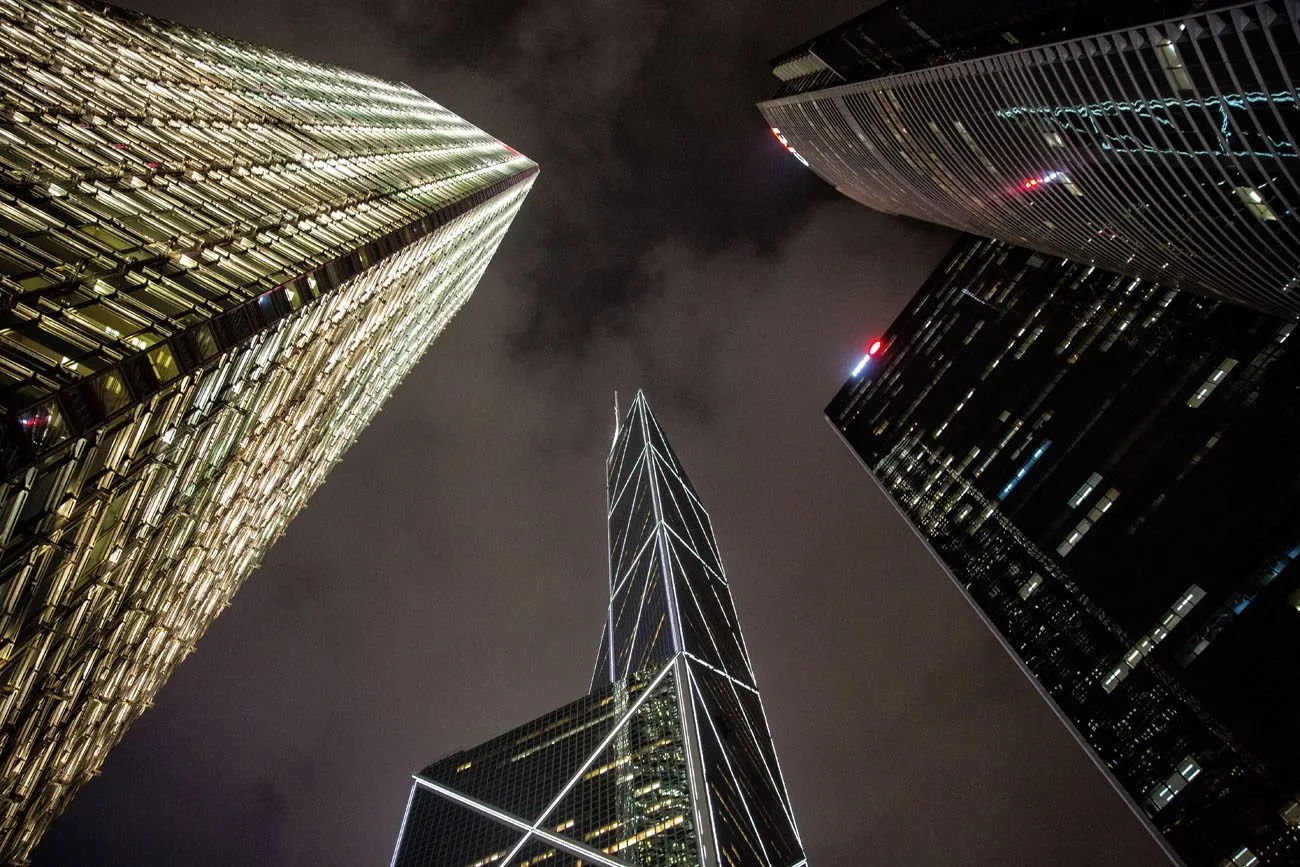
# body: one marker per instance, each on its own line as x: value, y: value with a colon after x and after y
x: 216, y: 262
x: 1105, y: 467
x: 1159, y: 150
x: 605, y: 777
x: 668, y: 760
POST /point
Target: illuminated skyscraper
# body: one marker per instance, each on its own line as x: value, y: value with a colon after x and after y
x: 668, y: 760
x: 1107, y: 469
x: 1153, y: 138
x: 216, y: 263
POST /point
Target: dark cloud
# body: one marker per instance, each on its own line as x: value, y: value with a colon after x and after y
x: 447, y: 582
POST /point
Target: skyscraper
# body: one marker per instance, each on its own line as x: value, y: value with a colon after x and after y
x: 1106, y: 468
x: 668, y: 760
x: 216, y: 263
x: 1156, y: 139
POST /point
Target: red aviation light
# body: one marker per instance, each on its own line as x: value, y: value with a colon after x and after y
x: 876, y: 346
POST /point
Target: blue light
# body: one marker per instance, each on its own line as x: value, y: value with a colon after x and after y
x: 862, y: 365
x: 1020, y: 474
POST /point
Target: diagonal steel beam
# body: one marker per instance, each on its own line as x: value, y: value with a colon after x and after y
x: 586, y: 765
x: 573, y: 847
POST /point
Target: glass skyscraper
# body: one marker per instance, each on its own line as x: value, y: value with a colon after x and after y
x: 216, y: 263
x: 1107, y: 469
x: 668, y: 760
x: 1153, y: 138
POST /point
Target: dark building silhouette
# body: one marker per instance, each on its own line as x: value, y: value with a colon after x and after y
x: 216, y: 263
x: 668, y: 760
x: 1107, y: 468
x: 1157, y: 139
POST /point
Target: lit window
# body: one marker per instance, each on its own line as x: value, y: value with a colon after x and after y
x: 1186, y: 771
x: 1211, y: 383
x: 1254, y: 202
x: 1027, y: 589
x: 1243, y: 858
x: 1172, y: 63
x: 1084, y: 490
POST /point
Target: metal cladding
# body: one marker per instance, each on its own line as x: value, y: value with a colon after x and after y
x: 1166, y: 151
x: 668, y: 762
x: 216, y: 263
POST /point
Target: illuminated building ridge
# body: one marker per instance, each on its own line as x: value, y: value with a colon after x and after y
x: 1162, y: 150
x: 216, y: 263
x: 668, y: 760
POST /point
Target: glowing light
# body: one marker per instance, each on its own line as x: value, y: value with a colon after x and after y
x: 857, y: 371
x: 785, y: 142
x: 1045, y: 179
x: 875, y: 347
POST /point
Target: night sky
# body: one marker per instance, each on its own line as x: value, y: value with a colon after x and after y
x: 448, y: 581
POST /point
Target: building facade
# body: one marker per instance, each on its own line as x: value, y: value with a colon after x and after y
x: 216, y: 263
x: 668, y: 762
x: 1156, y: 139
x: 1106, y: 467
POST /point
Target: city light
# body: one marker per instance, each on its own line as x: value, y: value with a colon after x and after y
x: 786, y: 143
x: 857, y: 371
x: 875, y: 347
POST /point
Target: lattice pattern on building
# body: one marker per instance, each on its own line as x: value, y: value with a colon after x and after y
x: 216, y: 263
x: 1167, y: 152
x: 698, y: 760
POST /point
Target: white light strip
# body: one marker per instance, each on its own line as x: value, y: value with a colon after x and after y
x: 691, y: 547
x: 591, y: 760
x: 717, y: 670
x: 670, y: 580
x: 627, y: 574
x: 758, y: 835
x: 571, y: 846
x: 401, y: 832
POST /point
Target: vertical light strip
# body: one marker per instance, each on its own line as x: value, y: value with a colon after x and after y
x: 670, y: 580
x: 401, y: 832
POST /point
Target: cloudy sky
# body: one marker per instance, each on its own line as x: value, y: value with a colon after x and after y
x: 448, y: 581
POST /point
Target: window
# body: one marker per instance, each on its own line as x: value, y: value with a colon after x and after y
x: 1171, y: 62
x: 1186, y: 771
x: 1207, y: 388
x: 44, y: 425
x: 1024, y: 470
x: 163, y: 363
x: 1254, y: 202
x: 1243, y: 858
x: 1148, y: 642
x: 1084, y: 490
x: 1027, y: 589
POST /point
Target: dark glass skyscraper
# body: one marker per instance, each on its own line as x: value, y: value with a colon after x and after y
x: 1156, y: 138
x: 216, y: 263
x: 1107, y: 468
x: 668, y: 760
